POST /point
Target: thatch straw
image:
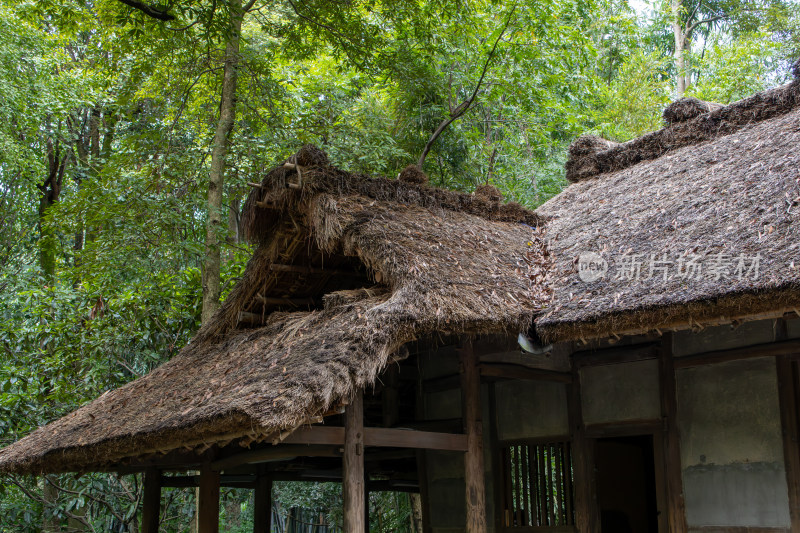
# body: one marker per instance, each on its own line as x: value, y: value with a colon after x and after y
x: 581, y: 160
x: 489, y: 192
x: 439, y: 269
x: 413, y: 174
x: 709, y: 126
x: 685, y: 109
x: 738, y: 194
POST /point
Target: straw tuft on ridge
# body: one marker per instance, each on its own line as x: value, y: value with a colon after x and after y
x: 581, y: 161
x: 414, y: 175
x: 489, y: 192
x: 585, y: 164
x: 688, y: 108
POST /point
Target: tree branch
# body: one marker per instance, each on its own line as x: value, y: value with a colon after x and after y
x: 691, y: 28
x: 465, y: 105
x: 148, y: 10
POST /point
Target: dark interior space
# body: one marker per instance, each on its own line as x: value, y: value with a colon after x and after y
x: 626, y: 490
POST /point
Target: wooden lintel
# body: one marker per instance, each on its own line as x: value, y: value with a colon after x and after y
x: 393, y: 485
x: 513, y: 371
x: 612, y: 356
x: 622, y: 429
x: 380, y: 437
x: 405, y: 438
x: 194, y: 481
x: 275, y: 453
x: 720, y: 356
x: 301, y: 269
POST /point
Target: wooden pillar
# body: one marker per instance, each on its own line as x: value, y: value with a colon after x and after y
x: 422, y: 467
x: 262, y: 504
x: 390, y: 402
x: 676, y: 510
x: 473, y: 427
x: 498, y: 480
x: 586, y: 516
x: 151, y: 501
x: 789, y: 395
x: 208, y: 501
x: 353, y: 475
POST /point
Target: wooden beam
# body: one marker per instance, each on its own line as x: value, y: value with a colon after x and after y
x: 151, y: 501
x: 245, y: 317
x: 786, y: 347
x: 275, y: 453
x: 676, y: 509
x: 301, y: 269
x: 330, y: 435
x: 692, y: 324
x: 353, y: 468
x: 405, y: 438
x: 262, y: 504
x: 294, y: 302
x: 245, y: 481
x: 473, y: 427
x: 623, y: 428
x: 208, y: 500
x: 382, y: 437
x: 513, y: 371
x: 616, y: 355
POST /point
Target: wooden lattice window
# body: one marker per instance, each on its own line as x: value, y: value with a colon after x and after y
x: 537, y: 485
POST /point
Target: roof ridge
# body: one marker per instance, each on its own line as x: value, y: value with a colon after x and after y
x: 282, y: 190
x: 590, y: 158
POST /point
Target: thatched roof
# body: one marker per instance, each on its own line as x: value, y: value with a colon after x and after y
x: 348, y: 269
x: 725, y: 182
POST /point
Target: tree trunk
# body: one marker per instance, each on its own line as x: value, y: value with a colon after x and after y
x: 680, y: 49
x: 227, y: 115
x: 50, y: 191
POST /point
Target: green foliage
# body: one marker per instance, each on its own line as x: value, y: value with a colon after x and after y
x: 131, y: 104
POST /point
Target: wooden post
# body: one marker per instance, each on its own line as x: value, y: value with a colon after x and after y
x: 151, y: 501
x: 390, y: 403
x: 788, y: 395
x: 353, y: 475
x: 473, y: 427
x: 676, y: 511
x: 262, y: 504
x: 586, y: 518
x: 422, y: 468
x: 208, y: 501
x: 498, y: 480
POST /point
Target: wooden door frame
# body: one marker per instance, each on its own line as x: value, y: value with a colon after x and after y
x: 636, y: 428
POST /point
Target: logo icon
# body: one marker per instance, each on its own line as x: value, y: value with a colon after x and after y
x: 591, y: 267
